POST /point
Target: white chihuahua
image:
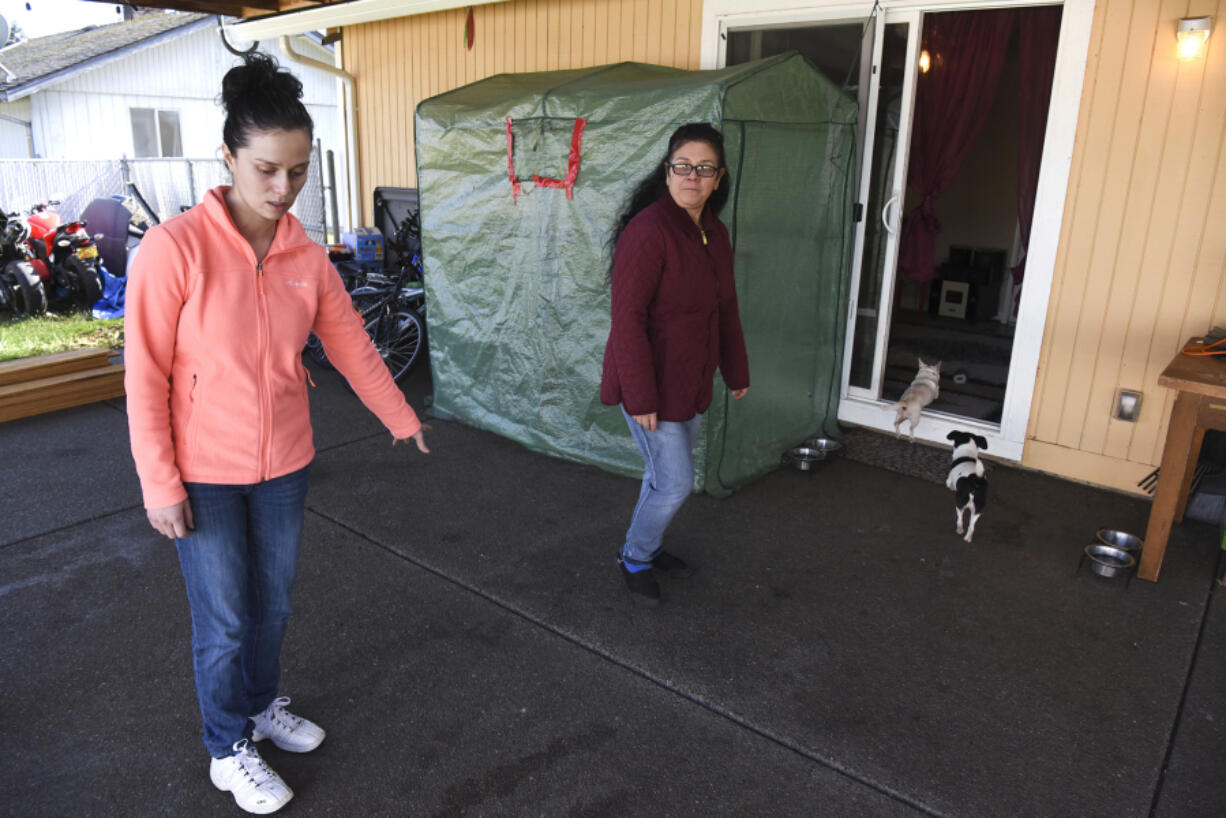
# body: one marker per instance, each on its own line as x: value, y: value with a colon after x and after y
x: 922, y: 391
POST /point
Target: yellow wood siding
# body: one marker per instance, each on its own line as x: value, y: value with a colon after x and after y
x: 1142, y: 246
x: 398, y: 63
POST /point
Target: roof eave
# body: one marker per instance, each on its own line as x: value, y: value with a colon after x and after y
x: 22, y: 90
x: 346, y: 13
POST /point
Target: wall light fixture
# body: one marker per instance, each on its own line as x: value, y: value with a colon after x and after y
x: 1191, y: 36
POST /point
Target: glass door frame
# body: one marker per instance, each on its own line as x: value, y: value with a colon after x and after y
x: 1007, y: 439
x: 892, y: 222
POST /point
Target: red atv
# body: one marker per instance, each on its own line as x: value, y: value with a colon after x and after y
x: 64, y: 257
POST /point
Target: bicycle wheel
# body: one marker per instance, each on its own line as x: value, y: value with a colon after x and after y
x: 398, y: 333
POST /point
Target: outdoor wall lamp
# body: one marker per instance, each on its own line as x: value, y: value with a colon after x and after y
x: 1191, y: 35
x: 1127, y: 405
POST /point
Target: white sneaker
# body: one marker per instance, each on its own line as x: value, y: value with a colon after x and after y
x: 291, y: 733
x: 255, y: 786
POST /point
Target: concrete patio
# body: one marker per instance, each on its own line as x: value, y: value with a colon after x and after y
x: 463, y: 634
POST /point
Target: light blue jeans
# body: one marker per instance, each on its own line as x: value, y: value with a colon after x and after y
x: 239, y: 565
x: 668, y: 479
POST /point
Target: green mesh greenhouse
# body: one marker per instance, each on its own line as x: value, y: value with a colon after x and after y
x: 520, y: 179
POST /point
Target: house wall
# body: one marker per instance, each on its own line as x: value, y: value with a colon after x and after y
x: 183, y: 74
x: 1142, y: 248
x: 87, y: 116
x: 1142, y: 251
x: 398, y: 63
x: 14, y: 136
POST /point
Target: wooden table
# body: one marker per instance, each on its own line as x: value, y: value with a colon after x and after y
x: 1200, y: 404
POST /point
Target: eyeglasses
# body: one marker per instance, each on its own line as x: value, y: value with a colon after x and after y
x: 684, y: 168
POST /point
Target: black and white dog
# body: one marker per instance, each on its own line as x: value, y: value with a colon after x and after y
x: 966, y: 478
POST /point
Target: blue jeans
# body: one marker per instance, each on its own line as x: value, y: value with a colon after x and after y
x: 668, y: 479
x: 239, y: 565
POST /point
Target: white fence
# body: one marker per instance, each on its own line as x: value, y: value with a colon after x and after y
x: 168, y: 186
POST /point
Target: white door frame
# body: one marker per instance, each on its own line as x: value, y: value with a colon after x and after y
x: 1008, y: 439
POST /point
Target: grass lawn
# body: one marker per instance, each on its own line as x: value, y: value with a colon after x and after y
x: 26, y: 337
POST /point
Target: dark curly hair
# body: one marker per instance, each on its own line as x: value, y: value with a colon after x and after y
x: 259, y: 95
x: 655, y: 184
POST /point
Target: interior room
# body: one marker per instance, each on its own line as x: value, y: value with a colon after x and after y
x: 964, y: 314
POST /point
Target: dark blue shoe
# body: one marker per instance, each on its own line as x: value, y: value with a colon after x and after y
x: 675, y: 567
x: 644, y: 590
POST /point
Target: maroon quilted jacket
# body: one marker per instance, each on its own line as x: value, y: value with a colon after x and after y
x: 675, y: 316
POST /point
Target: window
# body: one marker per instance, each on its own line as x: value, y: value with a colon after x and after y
x: 156, y: 132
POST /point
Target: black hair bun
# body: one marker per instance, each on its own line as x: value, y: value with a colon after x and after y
x: 258, y: 82
x: 259, y: 95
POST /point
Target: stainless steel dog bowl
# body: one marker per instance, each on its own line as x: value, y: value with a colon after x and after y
x: 826, y: 445
x: 1121, y: 540
x: 804, y: 457
x: 1109, y: 561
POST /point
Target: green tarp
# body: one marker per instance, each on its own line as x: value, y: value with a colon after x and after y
x: 516, y: 286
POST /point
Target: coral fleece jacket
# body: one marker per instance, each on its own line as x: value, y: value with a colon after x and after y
x: 213, y: 340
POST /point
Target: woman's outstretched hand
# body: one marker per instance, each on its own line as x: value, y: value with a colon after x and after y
x: 172, y: 521
x: 419, y: 437
x: 737, y: 394
x: 647, y: 421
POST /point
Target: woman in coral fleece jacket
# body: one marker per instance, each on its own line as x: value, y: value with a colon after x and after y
x: 675, y: 320
x: 220, y: 302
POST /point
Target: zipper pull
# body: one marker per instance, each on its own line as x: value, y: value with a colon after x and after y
x: 703, y: 233
x: 259, y: 268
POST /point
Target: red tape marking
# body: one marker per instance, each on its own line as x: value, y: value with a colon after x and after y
x: 511, y: 161
x: 572, y: 168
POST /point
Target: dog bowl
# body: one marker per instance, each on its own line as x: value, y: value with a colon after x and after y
x: 1121, y: 540
x: 804, y: 458
x: 1109, y: 561
x: 826, y: 445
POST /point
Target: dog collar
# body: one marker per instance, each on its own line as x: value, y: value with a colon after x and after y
x: 962, y: 460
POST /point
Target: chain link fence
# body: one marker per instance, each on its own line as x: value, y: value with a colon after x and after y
x: 168, y: 186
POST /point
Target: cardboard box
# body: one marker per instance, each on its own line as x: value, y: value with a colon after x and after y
x: 367, y: 243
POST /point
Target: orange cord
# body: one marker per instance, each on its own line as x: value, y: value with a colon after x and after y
x: 1204, y: 349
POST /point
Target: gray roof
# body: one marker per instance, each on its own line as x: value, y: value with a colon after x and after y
x: 35, y: 63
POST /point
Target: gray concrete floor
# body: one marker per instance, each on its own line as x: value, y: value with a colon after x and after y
x: 463, y: 634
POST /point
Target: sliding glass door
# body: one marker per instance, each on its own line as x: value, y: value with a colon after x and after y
x: 879, y: 208
x: 870, y: 59
x: 969, y: 305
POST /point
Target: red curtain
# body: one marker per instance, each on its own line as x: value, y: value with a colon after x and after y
x: 1038, y: 31
x: 952, y: 101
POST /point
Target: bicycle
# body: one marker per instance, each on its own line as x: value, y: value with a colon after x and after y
x: 392, y: 308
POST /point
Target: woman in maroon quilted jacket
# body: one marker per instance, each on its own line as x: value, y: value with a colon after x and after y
x: 675, y: 320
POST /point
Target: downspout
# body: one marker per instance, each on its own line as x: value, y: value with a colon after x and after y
x: 350, y: 111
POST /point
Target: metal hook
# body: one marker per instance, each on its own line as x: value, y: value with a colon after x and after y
x: 221, y: 31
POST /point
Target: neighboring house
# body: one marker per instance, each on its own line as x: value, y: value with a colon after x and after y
x: 143, y: 88
x: 1126, y: 252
